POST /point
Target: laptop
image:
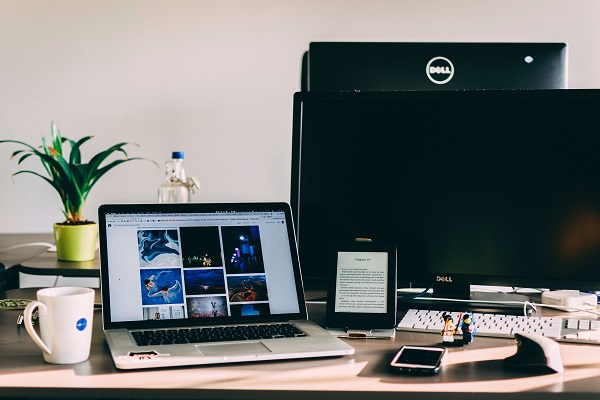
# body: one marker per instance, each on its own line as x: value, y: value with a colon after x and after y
x: 196, y: 284
x: 374, y: 66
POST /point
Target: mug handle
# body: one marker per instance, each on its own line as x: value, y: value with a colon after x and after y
x: 27, y: 316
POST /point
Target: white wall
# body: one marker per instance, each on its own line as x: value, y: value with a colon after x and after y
x: 214, y: 79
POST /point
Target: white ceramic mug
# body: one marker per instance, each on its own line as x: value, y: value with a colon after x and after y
x: 65, y: 319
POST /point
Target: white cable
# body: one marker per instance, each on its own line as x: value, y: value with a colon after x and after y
x: 508, y: 302
x: 571, y: 309
x: 525, y: 304
x: 530, y: 304
x: 18, y: 246
x: 498, y: 302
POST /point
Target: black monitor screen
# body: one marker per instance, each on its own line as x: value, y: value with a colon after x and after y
x: 496, y: 187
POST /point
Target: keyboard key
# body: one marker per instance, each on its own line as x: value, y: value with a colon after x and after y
x: 573, y: 324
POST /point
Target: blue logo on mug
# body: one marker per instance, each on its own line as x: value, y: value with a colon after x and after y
x: 81, y: 324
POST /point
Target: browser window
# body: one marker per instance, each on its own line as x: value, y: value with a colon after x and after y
x: 199, y: 265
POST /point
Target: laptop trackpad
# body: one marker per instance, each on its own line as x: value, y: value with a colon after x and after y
x: 233, y: 349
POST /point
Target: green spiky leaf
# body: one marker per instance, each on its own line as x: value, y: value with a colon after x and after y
x: 71, y: 178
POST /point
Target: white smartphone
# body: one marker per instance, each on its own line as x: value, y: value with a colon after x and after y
x: 418, y: 359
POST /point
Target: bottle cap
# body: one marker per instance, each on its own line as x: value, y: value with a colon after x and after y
x: 177, y: 154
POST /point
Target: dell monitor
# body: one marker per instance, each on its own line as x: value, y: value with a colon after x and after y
x: 472, y: 187
x: 368, y: 66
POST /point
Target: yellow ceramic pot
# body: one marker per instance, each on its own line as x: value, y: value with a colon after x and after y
x: 76, y: 242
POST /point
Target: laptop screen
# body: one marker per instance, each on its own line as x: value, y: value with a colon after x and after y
x: 196, y: 264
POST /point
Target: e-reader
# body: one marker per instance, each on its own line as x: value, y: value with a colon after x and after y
x: 362, y: 287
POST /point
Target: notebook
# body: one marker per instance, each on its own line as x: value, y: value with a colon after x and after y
x: 194, y: 284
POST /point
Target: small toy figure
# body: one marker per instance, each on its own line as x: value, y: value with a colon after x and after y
x: 467, y: 327
x: 449, y: 329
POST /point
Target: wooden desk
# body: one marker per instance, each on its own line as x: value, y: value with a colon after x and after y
x: 472, y: 372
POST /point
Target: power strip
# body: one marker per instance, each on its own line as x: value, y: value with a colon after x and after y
x: 573, y: 299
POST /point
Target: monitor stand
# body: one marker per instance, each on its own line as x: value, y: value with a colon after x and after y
x: 459, y: 297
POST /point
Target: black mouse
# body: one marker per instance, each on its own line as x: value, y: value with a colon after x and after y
x: 535, y: 352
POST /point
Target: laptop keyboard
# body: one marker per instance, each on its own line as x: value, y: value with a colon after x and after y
x: 215, y: 334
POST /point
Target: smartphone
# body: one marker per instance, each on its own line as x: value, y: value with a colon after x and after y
x: 418, y: 359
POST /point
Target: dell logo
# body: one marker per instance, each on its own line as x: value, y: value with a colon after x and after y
x: 446, y: 279
x: 439, y: 70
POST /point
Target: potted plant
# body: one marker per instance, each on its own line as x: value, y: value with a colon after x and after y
x: 73, y: 180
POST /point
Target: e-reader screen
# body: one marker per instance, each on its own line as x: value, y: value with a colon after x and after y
x: 362, y: 287
x: 361, y: 282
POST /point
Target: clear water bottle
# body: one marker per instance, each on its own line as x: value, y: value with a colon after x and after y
x: 176, y: 189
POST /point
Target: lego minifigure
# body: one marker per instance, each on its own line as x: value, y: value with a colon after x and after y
x: 449, y: 329
x: 467, y: 327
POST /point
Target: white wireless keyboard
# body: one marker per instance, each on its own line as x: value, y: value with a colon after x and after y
x: 503, y: 326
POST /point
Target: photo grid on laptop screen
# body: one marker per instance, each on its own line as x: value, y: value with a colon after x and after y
x: 198, y: 266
